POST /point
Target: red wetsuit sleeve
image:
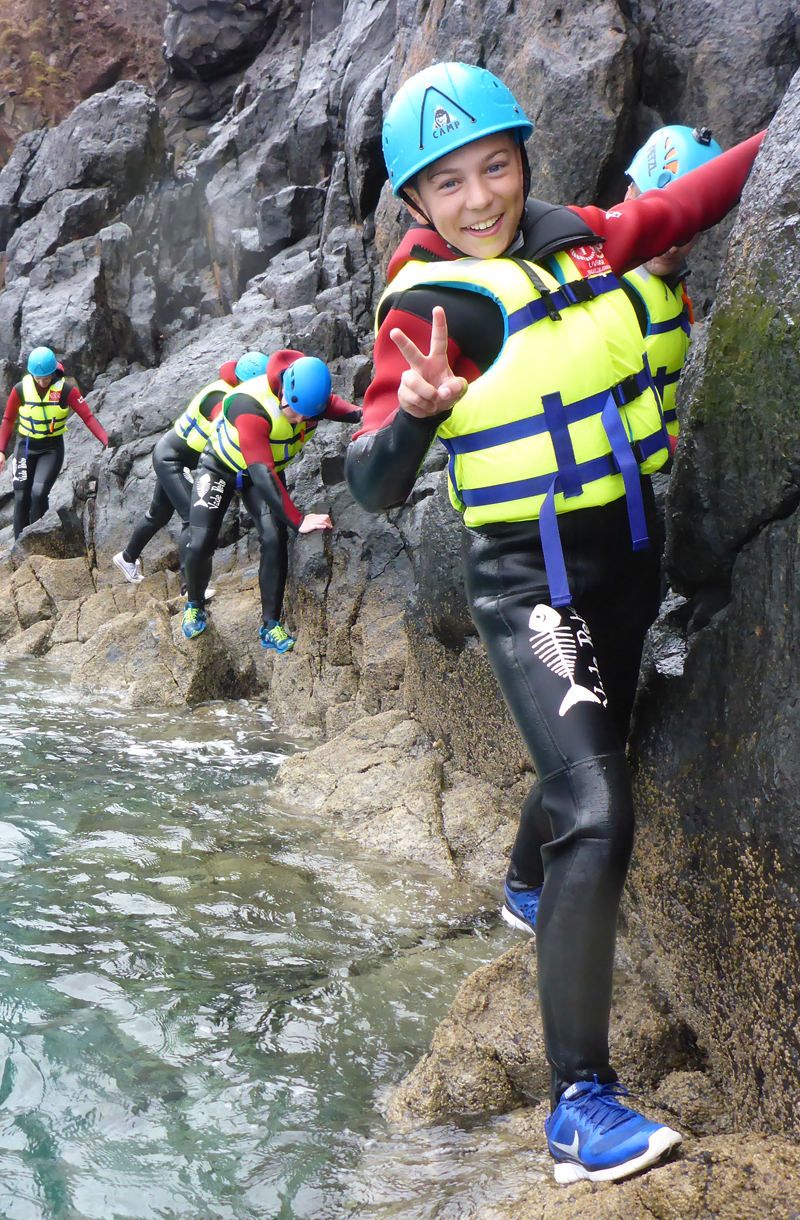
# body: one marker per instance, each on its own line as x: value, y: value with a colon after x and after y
x: 643, y: 228
x: 380, y: 400
x: 340, y: 408
x: 80, y: 406
x: 13, y: 404
x: 254, y: 433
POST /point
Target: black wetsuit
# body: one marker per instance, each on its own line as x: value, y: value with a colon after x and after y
x: 37, y: 465
x: 173, y: 491
x: 576, y: 830
x: 214, y: 486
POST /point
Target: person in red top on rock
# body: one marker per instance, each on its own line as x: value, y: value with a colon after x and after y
x: 504, y: 332
x: 176, y: 453
x: 40, y: 404
x: 263, y: 426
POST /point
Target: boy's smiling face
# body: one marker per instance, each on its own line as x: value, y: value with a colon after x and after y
x: 474, y: 195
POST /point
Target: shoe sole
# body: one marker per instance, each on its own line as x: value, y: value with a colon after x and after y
x: 132, y: 580
x: 661, y: 1143
x: 514, y: 921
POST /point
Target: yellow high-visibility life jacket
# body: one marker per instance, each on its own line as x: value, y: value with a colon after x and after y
x: 566, y: 417
x: 666, y: 340
x: 41, y: 414
x: 192, y: 426
x: 286, y: 439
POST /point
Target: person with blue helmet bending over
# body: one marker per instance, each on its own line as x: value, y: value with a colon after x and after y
x: 40, y: 404
x: 504, y: 332
x: 657, y: 289
x: 177, y: 452
x: 263, y: 426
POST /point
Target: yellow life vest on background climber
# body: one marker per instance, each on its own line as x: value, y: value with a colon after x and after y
x: 192, y: 426
x: 286, y: 439
x: 666, y: 341
x: 41, y: 414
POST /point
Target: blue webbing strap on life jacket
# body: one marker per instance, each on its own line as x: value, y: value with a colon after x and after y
x: 664, y: 328
x: 552, y: 549
x: 625, y: 459
x: 552, y: 303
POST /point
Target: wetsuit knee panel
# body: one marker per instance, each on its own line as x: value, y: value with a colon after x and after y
x: 591, y: 799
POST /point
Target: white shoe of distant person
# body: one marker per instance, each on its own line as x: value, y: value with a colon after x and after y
x: 131, y: 571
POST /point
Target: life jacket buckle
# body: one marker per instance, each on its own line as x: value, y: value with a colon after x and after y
x: 625, y: 391
x: 578, y: 292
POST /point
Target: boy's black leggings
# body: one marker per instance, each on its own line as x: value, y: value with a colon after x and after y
x: 37, y: 465
x: 172, y: 493
x: 569, y: 678
x: 214, y: 486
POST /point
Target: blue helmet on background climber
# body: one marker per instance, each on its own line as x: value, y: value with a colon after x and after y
x: 307, y: 386
x: 42, y: 362
x: 251, y: 364
x: 669, y: 153
x: 443, y: 108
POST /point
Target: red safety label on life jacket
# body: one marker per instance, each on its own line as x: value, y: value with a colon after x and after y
x: 590, y: 260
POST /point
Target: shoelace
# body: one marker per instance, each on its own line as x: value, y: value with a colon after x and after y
x: 278, y: 633
x: 600, y: 1102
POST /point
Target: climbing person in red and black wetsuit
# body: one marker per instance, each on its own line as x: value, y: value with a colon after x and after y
x: 40, y: 405
x: 504, y: 332
x: 177, y: 451
x: 262, y: 428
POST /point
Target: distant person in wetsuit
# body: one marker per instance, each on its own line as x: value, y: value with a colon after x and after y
x: 177, y: 451
x: 504, y: 332
x: 40, y: 404
x: 263, y: 426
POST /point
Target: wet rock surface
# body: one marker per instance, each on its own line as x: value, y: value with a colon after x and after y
x: 716, y: 879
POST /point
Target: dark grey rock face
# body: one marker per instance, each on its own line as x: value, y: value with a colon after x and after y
x: 12, y: 182
x: 112, y: 140
x: 718, y: 770
x: 209, y: 38
x: 65, y: 216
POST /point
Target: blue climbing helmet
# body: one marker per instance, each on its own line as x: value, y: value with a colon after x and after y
x: 251, y: 364
x: 42, y: 362
x: 669, y: 153
x: 307, y: 386
x: 443, y: 108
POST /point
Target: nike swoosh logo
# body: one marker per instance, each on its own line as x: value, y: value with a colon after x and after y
x: 572, y: 1149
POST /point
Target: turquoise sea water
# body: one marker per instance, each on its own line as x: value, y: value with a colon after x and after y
x: 202, y: 1000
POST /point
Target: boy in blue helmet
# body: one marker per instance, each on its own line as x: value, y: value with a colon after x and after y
x: 176, y: 452
x: 39, y: 405
x: 657, y: 289
x: 504, y: 332
x: 262, y: 427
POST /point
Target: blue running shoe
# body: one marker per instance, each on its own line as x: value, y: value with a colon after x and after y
x: 276, y: 637
x: 520, y: 908
x: 194, y: 622
x: 590, y: 1135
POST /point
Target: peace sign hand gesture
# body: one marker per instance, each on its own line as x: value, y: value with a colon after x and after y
x: 428, y: 386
